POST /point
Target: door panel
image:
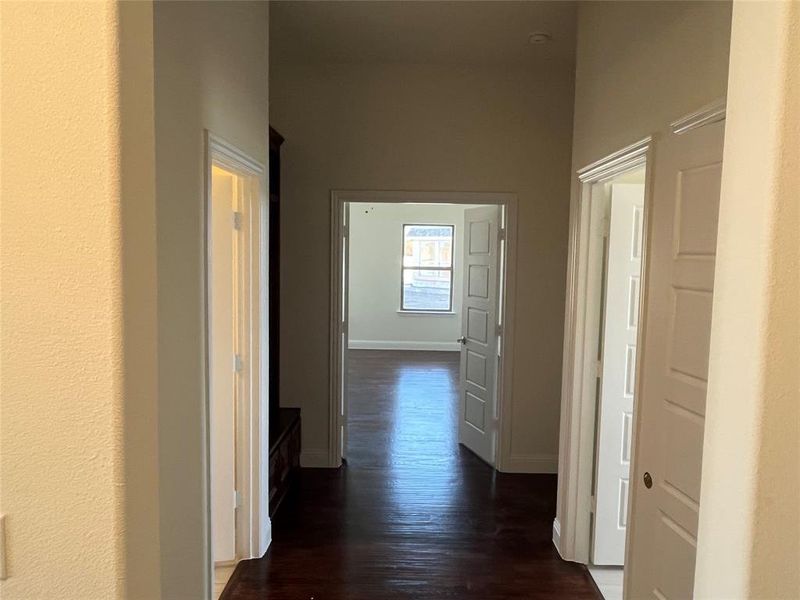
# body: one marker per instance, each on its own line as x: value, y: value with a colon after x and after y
x: 222, y: 322
x: 479, y: 317
x: 682, y: 247
x: 618, y: 374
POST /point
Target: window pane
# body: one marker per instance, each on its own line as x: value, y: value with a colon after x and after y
x: 427, y: 245
x: 426, y: 290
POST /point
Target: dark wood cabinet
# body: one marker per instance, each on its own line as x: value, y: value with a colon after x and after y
x: 284, y: 423
x: 284, y: 455
x: 274, y: 271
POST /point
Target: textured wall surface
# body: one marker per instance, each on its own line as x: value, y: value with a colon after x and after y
x: 61, y: 434
x: 749, y: 533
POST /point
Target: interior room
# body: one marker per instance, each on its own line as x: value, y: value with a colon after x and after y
x: 440, y: 299
x: 394, y: 110
x: 406, y: 268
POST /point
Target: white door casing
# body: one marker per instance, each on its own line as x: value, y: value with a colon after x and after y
x: 479, y: 359
x: 345, y: 329
x: 615, y: 414
x: 670, y: 410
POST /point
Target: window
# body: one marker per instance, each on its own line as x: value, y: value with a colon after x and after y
x: 427, y: 268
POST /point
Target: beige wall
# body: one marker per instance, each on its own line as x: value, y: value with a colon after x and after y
x: 639, y: 67
x: 78, y: 445
x: 425, y: 127
x: 749, y: 535
x: 210, y: 72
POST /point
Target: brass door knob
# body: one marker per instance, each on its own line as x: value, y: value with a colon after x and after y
x: 648, y: 480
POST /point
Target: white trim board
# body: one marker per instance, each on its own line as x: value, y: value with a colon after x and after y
x: 557, y: 534
x: 710, y: 113
x: 400, y: 345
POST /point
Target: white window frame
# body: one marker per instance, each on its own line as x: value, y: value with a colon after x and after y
x: 451, y: 269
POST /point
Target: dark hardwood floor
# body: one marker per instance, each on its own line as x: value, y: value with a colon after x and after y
x: 412, y: 514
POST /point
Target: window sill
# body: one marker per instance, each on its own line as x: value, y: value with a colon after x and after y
x: 442, y: 313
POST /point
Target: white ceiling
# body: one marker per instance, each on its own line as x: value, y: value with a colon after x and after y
x: 454, y: 33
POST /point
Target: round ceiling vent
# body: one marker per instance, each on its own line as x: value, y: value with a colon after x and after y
x: 539, y: 37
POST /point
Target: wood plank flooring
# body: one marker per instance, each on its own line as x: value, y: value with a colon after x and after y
x: 412, y: 514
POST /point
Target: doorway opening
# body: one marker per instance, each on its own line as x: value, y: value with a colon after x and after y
x: 608, y: 230
x: 236, y: 414
x: 620, y: 206
x: 421, y: 287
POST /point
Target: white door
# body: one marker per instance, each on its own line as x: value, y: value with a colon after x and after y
x: 477, y: 422
x: 671, y: 408
x: 615, y: 414
x: 222, y: 323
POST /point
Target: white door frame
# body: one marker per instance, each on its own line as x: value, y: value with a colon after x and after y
x: 339, y: 200
x: 572, y: 533
x: 253, y: 529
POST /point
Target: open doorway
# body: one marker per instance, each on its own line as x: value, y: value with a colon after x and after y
x: 620, y: 206
x: 606, y: 279
x: 422, y: 286
x: 407, y: 303
x: 236, y: 419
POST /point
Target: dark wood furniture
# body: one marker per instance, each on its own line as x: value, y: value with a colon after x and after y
x: 275, y: 141
x: 284, y: 455
x: 284, y: 423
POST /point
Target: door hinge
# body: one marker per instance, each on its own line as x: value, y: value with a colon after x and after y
x: 499, y: 330
x: 237, y: 499
x: 593, y: 504
x: 501, y: 235
x: 598, y: 368
x: 238, y: 363
x: 237, y: 220
x: 345, y: 230
x: 606, y: 225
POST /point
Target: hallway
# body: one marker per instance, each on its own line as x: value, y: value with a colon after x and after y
x: 413, y: 514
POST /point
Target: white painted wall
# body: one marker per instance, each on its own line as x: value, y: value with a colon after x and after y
x: 211, y: 67
x: 425, y: 127
x: 376, y: 234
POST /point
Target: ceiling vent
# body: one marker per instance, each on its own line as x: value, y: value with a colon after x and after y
x: 539, y: 37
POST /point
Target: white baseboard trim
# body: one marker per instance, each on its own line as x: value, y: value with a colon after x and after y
x: 557, y: 535
x: 314, y: 459
x: 266, y: 540
x: 396, y: 345
x: 531, y: 463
